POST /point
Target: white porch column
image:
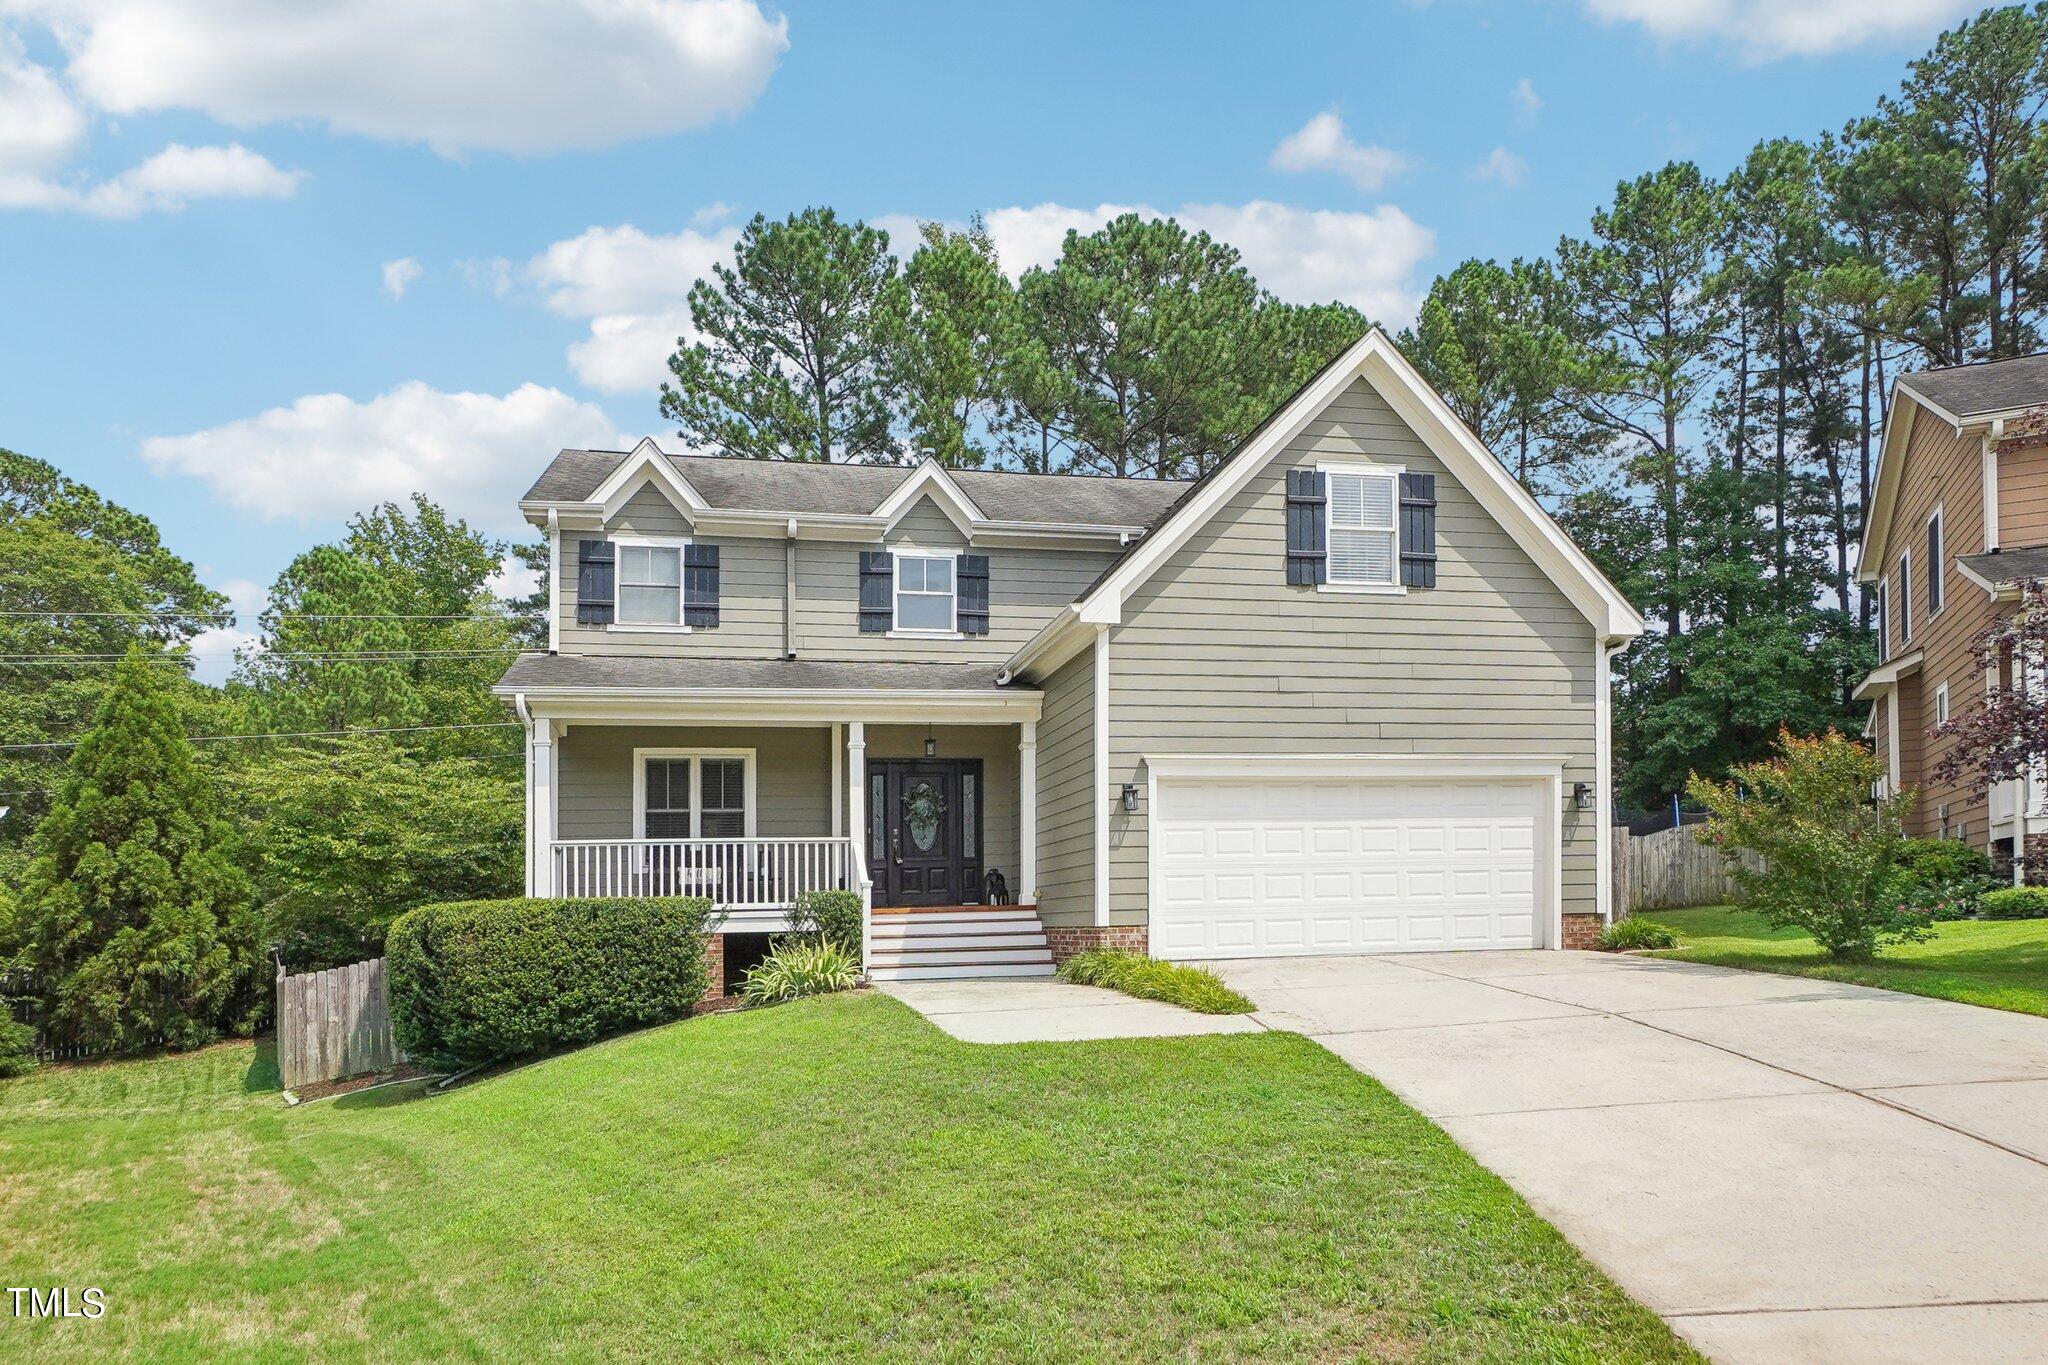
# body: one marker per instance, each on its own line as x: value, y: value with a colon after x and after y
x: 1027, y: 812
x: 856, y: 791
x: 541, y: 828
x: 838, y: 808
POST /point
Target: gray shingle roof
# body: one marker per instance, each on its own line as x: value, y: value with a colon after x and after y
x: 531, y: 671
x: 2009, y: 566
x: 797, y: 487
x: 1995, y: 386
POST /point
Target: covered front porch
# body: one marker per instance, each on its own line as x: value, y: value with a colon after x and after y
x: 913, y: 798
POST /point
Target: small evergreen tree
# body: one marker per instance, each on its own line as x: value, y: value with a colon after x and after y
x: 136, y: 916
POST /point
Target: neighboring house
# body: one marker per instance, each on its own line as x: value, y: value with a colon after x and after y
x: 1958, y: 521
x: 1349, y: 693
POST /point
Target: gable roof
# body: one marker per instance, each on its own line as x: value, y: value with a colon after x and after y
x: 1960, y: 396
x: 1376, y: 360
x: 799, y: 488
x: 1962, y: 392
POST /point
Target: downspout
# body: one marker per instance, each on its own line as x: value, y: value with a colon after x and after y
x: 789, y: 592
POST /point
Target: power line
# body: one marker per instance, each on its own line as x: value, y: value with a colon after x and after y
x: 295, y: 734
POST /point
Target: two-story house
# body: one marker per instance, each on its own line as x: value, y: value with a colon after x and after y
x: 1348, y: 693
x: 1958, y: 521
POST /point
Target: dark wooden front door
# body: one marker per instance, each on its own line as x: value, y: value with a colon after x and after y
x: 924, y: 841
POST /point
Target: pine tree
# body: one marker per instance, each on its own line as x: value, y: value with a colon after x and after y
x: 138, y: 919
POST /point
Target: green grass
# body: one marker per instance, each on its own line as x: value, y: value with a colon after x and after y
x: 827, y: 1179
x: 1192, y: 988
x: 2002, y: 964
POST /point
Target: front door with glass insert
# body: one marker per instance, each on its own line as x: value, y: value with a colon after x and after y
x: 924, y: 831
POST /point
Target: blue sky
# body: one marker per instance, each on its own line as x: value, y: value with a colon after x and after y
x: 259, y: 269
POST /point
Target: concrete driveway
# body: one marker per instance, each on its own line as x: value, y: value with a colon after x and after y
x: 1786, y: 1170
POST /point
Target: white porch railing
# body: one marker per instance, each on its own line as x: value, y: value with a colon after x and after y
x: 734, y: 874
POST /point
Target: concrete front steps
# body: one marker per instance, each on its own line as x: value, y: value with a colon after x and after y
x: 958, y: 942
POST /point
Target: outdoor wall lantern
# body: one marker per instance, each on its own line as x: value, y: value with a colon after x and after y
x: 1130, y: 798
x: 931, y: 746
x: 1582, y: 795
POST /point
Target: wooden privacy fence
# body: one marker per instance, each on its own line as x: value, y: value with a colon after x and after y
x: 1670, y: 870
x: 334, y: 1023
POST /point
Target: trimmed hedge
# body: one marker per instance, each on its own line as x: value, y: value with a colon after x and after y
x: 2014, y: 902
x: 482, y: 981
x: 833, y: 916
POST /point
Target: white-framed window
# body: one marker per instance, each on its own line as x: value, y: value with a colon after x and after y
x: 1935, y: 595
x: 693, y: 793
x: 927, y: 593
x: 1905, y: 597
x: 1941, y: 704
x: 1361, y: 529
x: 650, y: 586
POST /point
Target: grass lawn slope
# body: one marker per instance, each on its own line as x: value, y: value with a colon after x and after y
x: 833, y: 1178
x: 1999, y: 963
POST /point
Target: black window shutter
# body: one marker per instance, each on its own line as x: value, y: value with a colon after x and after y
x: 1418, y: 530
x: 973, y: 605
x: 877, y: 585
x: 1308, y: 558
x: 700, y: 586
x: 595, y: 575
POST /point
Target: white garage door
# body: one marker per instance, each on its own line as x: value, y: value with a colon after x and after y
x: 1253, y: 867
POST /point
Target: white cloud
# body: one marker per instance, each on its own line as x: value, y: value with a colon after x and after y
x: 537, y: 76
x: 400, y: 274
x: 1365, y: 259
x: 493, y: 276
x: 633, y: 287
x: 1322, y: 144
x: 328, y: 455
x: 513, y: 579
x: 214, y: 649
x: 42, y: 128
x: 1765, y: 29
x: 1502, y: 167
x: 1522, y: 95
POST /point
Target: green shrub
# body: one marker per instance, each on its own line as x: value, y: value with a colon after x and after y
x: 2014, y: 902
x: 1191, y: 988
x: 479, y: 981
x: 1942, y: 878
x: 833, y: 916
x: 17, y: 1045
x: 798, y: 967
x: 1637, y: 932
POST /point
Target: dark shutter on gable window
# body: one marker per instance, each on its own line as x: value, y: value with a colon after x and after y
x: 595, y: 575
x: 700, y: 586
x: 973, y: 604
x: 1308, y: 559
x: 877, y: 582
x: 1418, y: 530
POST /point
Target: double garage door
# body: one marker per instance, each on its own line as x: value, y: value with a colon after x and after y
x: 1257, y: 867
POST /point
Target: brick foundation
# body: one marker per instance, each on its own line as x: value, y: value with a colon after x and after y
x: 714, y: 983
x: 1582, y: 931
x: 2034, y: 863
x: 1065, y: 940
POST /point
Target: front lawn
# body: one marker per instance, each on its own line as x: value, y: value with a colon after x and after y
x: 1999, y: 963
x: 830, y: 1178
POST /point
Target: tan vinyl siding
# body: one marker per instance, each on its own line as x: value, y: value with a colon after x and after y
x: 1218, y: 655
x: 2022, y: 497
x: 792, y: 777
x: 1066, y: 781
x: 1946, y: 470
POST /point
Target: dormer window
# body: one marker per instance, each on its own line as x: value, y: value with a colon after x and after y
x: 650, y: 584
x: 925, y: 593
